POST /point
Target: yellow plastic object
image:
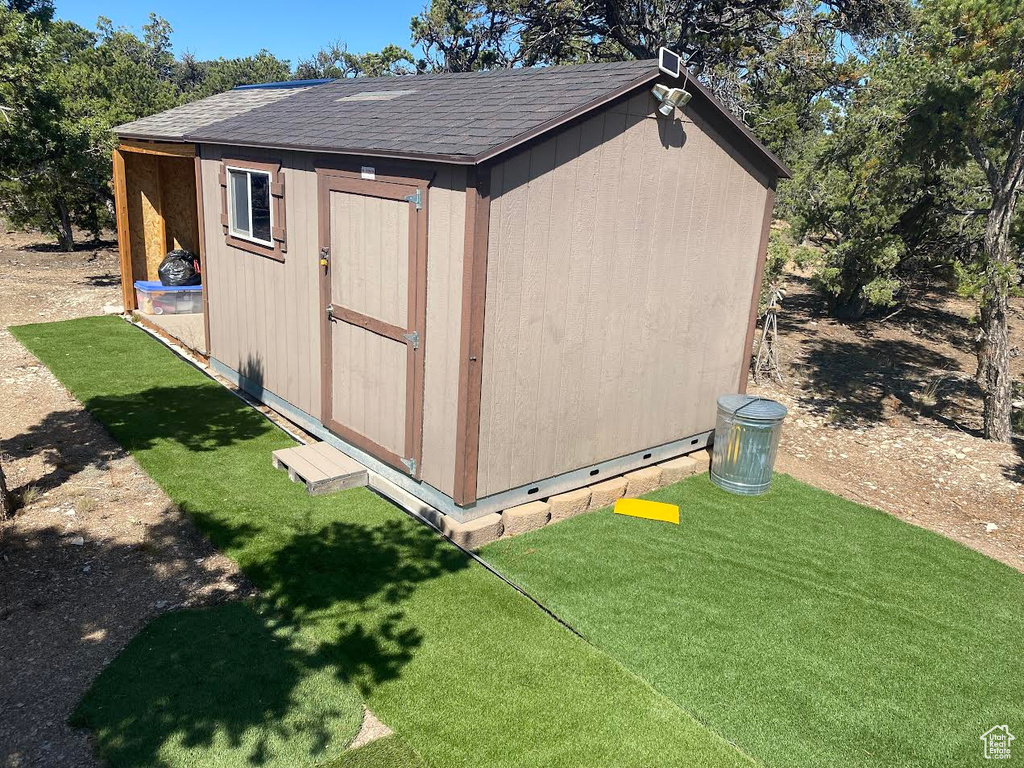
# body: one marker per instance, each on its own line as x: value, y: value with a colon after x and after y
x: 651, y: 510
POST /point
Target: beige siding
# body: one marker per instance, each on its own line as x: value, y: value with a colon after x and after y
x: 370, y: 250
x: 621, y: 262
x: 369, y: 387
x: 445, y: 246
x: 265, y: 316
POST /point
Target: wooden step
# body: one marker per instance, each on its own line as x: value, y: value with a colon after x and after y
x: 322, y: 467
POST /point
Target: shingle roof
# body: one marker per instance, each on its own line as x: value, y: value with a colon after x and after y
x: 461, y: 118
x: 175, y: 123
x: 449, y: 115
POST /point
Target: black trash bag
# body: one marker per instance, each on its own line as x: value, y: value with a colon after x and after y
x: 180, y: 267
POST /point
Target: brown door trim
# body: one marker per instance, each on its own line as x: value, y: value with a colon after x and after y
x: 329, y: 180
x: 471, y: 345
x: 202, y: 250
x: 755, y: 299
x: 124, y: 244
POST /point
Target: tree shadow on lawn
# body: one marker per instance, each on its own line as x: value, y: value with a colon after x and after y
x: 277, y: 680
x: 274, y: 680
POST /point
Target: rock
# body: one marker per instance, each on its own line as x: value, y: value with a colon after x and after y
x: 991, y: 527
x: 642, y: 481
x: 160, y: 604
x: 604, y: 494
x: 77, y: 541
x: 113, y: 309
x: 674, y: 470
x: 525, y: 517
x: 566, y: 505
x: 474, y: 534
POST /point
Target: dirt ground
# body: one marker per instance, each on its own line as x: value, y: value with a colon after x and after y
x: 886, y: 412
x: 98, y: 549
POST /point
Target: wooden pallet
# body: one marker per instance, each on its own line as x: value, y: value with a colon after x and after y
x: 322, y: 467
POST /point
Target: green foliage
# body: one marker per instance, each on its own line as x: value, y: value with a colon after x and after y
x: 62, y: 89
x: 198, y: 79
x: 335, y: 60
x: 466, y: 35
x: 851, y: 195
x: 53, y: 160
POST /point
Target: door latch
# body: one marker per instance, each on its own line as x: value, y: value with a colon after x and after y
x: 325, y: 256
x: 330, y: 312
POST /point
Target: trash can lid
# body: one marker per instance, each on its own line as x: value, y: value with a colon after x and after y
x: 752, y: 407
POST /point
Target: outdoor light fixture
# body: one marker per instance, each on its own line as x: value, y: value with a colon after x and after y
x: 670, y: 98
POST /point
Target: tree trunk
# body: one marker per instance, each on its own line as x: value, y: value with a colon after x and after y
x: 994, y: 348
x: 6, y: 502
x: 64, y: 233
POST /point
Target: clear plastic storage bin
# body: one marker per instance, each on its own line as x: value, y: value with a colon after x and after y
x: 154, y: 298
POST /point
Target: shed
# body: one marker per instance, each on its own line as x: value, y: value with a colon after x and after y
x: 488, y: 287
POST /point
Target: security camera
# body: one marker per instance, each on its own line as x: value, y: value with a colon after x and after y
x: 670, y: 98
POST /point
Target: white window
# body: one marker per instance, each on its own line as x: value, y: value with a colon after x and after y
x: 249, y: 205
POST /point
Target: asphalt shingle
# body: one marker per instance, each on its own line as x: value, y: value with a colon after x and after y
x: 173, y: 124
x: 456, y: 115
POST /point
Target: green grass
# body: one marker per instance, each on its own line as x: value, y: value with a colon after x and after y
x: 809, y: 630
x: 215, y: 687
x: 388, y: 752
x: 354, y: 594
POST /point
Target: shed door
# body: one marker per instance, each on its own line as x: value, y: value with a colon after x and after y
x: 373, y: 286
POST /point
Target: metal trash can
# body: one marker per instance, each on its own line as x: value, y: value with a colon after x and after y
x: 746, y: 439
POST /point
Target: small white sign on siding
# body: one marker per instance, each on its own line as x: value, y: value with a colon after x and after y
x: 369, y: 172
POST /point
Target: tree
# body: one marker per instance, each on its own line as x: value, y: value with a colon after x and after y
x: 852, y: 191
x: 969, y: 106
x: 727, y: 32
x: 51, y: 174
x: 196, y: 79
x: 335, y: 60
x: 467, y: 36
x: 38, y: 9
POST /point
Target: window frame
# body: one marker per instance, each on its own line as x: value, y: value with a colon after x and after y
x: 276, y: 247
x: 235, y: 232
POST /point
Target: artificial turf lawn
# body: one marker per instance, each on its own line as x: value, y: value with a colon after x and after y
x: 808, y: 630
x: 467, y: 671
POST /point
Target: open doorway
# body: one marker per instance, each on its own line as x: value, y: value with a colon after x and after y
x: 157, y: 206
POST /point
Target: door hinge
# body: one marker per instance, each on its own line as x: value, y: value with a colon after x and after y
x: 416, y: 199
x: 410, y: 465
x: 413, y: 339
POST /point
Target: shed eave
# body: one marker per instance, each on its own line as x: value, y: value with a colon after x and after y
x: 347, y: 151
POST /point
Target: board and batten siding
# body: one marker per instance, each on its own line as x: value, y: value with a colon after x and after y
x: 265, y: 315
x: 446, y: 233
x: 621, y: 260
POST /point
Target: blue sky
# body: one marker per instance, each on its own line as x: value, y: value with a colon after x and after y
x: 292, y: 29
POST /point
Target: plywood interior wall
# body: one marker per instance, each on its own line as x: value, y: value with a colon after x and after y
x: 161, y: 196
x: 622, y: 257
x: 178, y: 202
x: 145, y: 225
